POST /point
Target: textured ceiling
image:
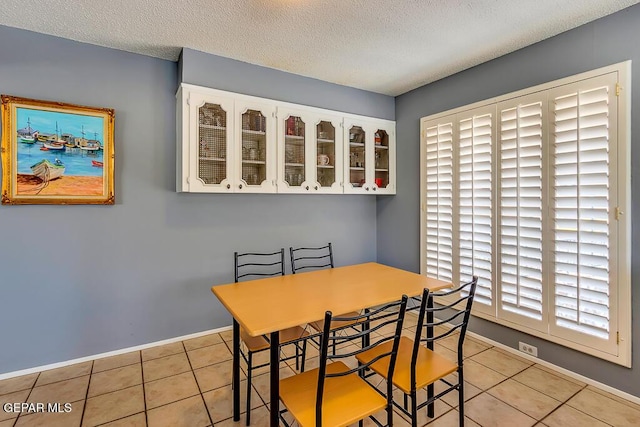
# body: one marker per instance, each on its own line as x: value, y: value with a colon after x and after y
x: 385, y: 46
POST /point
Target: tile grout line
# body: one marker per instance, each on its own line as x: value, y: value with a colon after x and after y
x: 496, y: 384
x: 565, y: 404
x: 86, y: 396
x: 15, y: 422
x: 144, y: 389
x: 562, y: 403
x: 195, y: 378
x: 522, y: 412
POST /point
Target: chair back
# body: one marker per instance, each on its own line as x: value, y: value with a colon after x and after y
x: 311, y: 258
x: 374, y: 320
x: 254, y: 264
x: 448, y: 323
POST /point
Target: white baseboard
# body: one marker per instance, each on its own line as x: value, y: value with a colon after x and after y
x: 109, y: 353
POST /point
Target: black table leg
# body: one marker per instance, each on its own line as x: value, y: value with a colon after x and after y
x: 274, y: 353
x: 236, y: 371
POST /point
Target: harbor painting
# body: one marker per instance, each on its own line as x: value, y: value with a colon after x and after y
x: 56, y: 153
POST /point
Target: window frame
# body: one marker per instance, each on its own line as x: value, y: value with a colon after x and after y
x: 621, y: 276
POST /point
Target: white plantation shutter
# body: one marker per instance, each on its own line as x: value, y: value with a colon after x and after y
x: 520, y: 158
x: 439, y: 201
x: 581, y: 179
x: 531, y: 192
x: 475, y: 202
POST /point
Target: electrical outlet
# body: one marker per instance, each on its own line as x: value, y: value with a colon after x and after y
x: 528, y: 348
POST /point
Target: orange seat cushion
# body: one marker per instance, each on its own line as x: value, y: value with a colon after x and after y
x: 319, y: 325
x: 260, y: 343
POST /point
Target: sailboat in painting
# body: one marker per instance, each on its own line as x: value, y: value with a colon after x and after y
x: 54, y: 142
x: 26, y: 135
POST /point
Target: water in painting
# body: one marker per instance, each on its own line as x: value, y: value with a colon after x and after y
x: 59, y: 153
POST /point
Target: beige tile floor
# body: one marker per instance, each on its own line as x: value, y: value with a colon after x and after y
x: 188, y: 383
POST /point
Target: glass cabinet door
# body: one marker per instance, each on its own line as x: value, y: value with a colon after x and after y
x: 328, y: 155
x: 210, y: 150
x: 381, y: 158
x: 212, y: 143
x: 357, y: 177
x: 295, y: 173
x: 255, y: 151
x: 384, y: 158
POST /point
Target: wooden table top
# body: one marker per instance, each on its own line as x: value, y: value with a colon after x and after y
x: 267, y: 305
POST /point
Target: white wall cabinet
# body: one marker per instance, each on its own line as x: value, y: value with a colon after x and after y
x: 226, y: 145
x: 232, y: 143
x: 309, y: 151
x: 369, y: 156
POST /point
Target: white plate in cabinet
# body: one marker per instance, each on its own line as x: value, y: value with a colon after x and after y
x: 369, y: 156
x: 309, y: 152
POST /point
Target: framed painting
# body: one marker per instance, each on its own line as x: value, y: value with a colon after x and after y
x: 56, y: 153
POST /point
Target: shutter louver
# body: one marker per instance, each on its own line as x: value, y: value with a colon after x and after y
x: 475, y: 204
x: 521, y: 210
x: 439, y: 201
x: 581, y: 211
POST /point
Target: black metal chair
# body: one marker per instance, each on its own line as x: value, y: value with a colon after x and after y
x: 311, y: 258
x: 418, y: 365
x: 316, y: 258
x: 334, y: 394
x: 255, y: 265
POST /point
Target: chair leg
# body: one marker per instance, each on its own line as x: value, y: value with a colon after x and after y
x: 249, y: 368
x: 461, y: 396
x: 414, y: 409
x: 304, y: 355
x: 333, y: 350
x: 430, y: 407
x: 406, y: 401
x: 297, y: 356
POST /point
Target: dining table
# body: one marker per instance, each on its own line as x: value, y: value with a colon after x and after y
x: 263, y: 307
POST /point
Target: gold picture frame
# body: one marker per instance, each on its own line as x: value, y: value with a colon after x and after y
x: 56, y: 153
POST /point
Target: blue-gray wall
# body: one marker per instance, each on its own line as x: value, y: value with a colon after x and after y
x: 82, y: 280
x: 222, y: 73
x: 603, y: 42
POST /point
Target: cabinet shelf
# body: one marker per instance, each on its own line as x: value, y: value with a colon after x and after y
x: 356, y: 144
x: 212, y: 159
x: 253, y: 132
x: 382, y: 170
x: 381, y: 147
x: 326, y: 141
x: 356, y: 169
x: 205, y: 126
x: 294, y: 165
x: 253, y: 162
x: 325, y: 166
